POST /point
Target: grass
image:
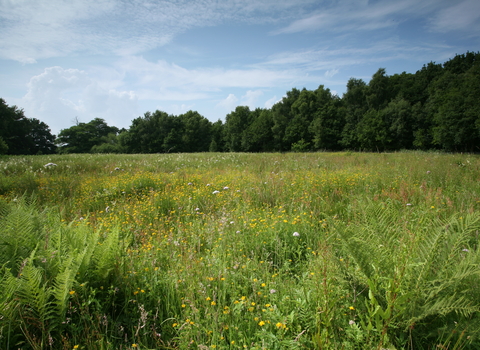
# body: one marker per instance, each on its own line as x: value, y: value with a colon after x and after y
x: 240, y: 251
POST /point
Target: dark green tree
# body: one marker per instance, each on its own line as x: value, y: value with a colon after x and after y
x: 23, y: 135
x: 3, y: 146
x: 259, y: 135
x: 81, y: 138
x: 355, y: 103
x: 455, y: 104
x: 398, y: 117
x: 303, y: 111
x: 378, y: 93
x: 236, y: 125
x: 217, y: 143
x: 196, y: 132
x: 41, y: 139
x: 329, y: 121
x: 110, y: 144
x: 147, y: 134
x: 372, y: 132
x: 281, y: 116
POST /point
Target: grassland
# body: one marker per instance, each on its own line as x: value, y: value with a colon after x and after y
x: 240, y: 251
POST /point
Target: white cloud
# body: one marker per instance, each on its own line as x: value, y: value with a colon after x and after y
x: 270, y: 102
x: 251, y: 97
x: 72, y: 93
x: 163, y: 80
x: 331, y: 72
x: 332, y: 58
x: 177, y: 109
x: 35, y: 29
x: 228, y: 103
x: 354, y: 15
x: 462, y: 16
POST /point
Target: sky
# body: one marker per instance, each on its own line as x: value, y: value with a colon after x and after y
x: 71, y: 61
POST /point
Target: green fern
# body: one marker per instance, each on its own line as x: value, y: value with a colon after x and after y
x: 20, y: 232
x: 106, y: 253
x: 62, y: 285
x: 414, y: 268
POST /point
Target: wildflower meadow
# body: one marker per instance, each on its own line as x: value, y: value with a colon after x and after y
x: 240, y: 251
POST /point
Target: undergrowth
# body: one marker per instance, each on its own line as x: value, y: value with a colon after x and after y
x: 240, y: 251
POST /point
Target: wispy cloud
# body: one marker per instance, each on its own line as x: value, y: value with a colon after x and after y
x: 74, y: 93
x: 348, y: 15
x: 464, y: 16
x: 229, y: 103
x: 331, y: 58
x: 162, y: 76
x: 36, y: 29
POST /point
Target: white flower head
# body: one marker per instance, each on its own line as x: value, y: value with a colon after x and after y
x: 296, y: 234
x: 215, y: 192
x: 272, y: 291
x: 226, y: 188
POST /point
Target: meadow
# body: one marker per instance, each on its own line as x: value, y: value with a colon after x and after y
x: 240, y: 251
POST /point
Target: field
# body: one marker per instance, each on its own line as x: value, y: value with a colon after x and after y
x: 240, y: 251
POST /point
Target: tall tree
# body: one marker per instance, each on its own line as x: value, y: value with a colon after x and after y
x: 356, y: 105
x: 378, y: 92
x: 217, y: 143
x: 196, y: 132
x: 82, y: 137
x: 259, y: 135
x: 40, y: 138
x: 329, y: 120
x: 23, y: 135
x: 302, y: 112
x: 398, y: 118
x: 236, y: 124
x: 456, y: 110
x: 281, y: 115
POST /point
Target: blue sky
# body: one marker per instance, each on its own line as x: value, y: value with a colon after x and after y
x: 117, y: 59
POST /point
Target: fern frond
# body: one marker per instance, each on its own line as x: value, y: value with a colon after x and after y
x: 105, y: 254
x: 9, y: 286
x: 34, y: 296
x: 62, y: 285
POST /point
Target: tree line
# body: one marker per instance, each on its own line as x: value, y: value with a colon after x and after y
x: 438, y: 107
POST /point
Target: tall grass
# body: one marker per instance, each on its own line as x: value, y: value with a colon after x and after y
x: 235, y: 251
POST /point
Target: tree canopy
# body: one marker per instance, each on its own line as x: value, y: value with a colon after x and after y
x: 438, y: 107
x: 22, y: 135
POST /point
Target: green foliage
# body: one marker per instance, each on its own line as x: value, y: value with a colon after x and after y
x: 81, y: 138
x: 22, y: 135
x: 3, y: 146
x: 42, y: 262
x: 407, y: 278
